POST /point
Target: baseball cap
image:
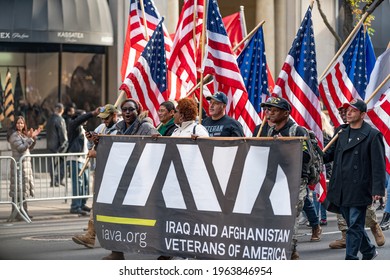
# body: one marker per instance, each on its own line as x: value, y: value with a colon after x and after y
x: 357, y: 104
x: 106, y: 111
x: 277, y: 102
x: 219, y: 96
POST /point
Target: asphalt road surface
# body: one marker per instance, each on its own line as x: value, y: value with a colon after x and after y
x: 51, y: 240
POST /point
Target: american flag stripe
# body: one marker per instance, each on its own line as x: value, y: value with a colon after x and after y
x: 304, y: 101
x: 183, y: 56
x: 380, y: 118
x: 147, y: 81
x: 253, y: 67
x: 297, y: 83
x: 143, y: 83
x: 135, y: 41
x: 347, y: 77
x: 220, y: 62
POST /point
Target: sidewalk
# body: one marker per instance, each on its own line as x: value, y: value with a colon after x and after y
x: 42, y: 210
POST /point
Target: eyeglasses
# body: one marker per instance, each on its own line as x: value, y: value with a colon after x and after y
x: 127, y: 109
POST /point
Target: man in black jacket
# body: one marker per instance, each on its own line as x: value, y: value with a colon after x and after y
x: 358, y: 176
x: 78, y: 144
x: 57, y: 142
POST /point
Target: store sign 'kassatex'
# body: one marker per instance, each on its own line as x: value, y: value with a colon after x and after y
x: 215, y: 199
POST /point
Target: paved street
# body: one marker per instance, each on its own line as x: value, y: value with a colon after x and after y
x: 48, y: 237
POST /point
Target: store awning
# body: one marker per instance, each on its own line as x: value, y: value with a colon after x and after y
x: 86, y: 22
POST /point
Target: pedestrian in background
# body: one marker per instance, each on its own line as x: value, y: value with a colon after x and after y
x: 78, y: 144
x: 22, y: 141
x: 57, y: 142
x: 109, y: 116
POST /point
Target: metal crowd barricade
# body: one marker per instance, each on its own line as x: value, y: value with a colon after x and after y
x: 47, y: 167
x: 8, y: 169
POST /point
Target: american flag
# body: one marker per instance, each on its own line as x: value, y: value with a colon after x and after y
x: 136, y: 40
x: 147, y: 81
x: 378, y: 75
x: 234, y: 29
x: 9, y: 98
x: 297, y: 82
x: 379, y: 108
x: 185, y: 43
x: 253, y: 67
x: 220, y: 62
x: 347, y: 79
x: 380, y: 118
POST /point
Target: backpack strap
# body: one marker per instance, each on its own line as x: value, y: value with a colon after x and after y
x: 293, y: 130
x: 194, y: 129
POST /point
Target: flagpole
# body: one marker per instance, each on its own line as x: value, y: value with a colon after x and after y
x: 346, y: 42
x: 243, y: 21
x: 368, y: 100
x: 262, y: 125
x: 145, y: 23
x: 202, y: 45
x: 234, y: 49
x: 378, y: 88
x: 332, y: 141
x: 195, y: 16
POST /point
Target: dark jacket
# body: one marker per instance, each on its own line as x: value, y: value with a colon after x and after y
x: 56, y: 135
x: 168, y: 129
x: 359, y: 168
x: 75, y: 132
x: 300, y: 131
x: 143, y: 125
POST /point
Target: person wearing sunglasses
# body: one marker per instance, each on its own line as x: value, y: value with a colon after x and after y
x: 135, y: 122
x: 135, y: 119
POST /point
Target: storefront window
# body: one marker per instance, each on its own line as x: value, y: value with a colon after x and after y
x: 35, y: 84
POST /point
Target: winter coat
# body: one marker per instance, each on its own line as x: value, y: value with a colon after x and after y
x: 188, y: 128
x: 359, y: 168
x: 20, y: 146
x: 76, y: 136
x: 143, y: 125
x: 56, y: 135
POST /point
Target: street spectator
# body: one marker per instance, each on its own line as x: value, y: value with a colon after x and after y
x: 78, y: 144
x: 57, y: 142
x: 109, y: 116
x: 358, y: 176
x: 218, y: 124
x: 22, y: 141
